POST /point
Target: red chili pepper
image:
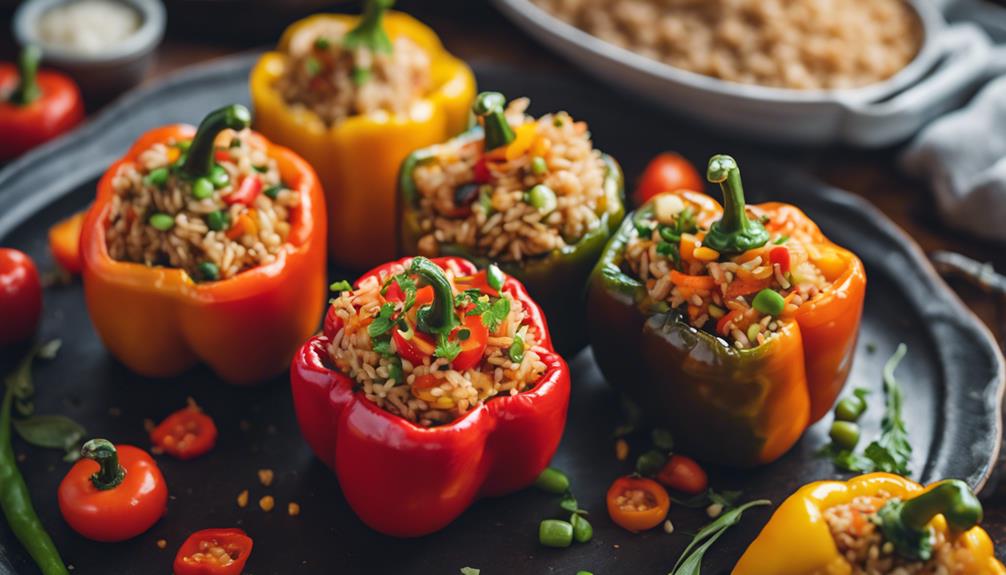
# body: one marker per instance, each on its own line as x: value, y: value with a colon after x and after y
x: 186, y: 433
x: 248, y: 189
x: 41, y: 105
x: 214, y: 552
x: 683, y: 474
x: 780, y: 255
x: 20, y: 296
x: 112, y: 493
x: 406, y: 480
x: 482, y: 174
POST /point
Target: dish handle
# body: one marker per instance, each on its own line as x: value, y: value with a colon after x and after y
x: 964, y: 53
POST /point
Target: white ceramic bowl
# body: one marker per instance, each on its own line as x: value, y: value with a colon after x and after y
x: 951, y: 61
x: 104, y: 73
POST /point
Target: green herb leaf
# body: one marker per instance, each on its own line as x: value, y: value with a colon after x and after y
x: 781, y: 240
x: 690, y: 562
x: 446, y: 348
x: 568, y: 503
x: 49, y: 431
x: 497, y: 312
x: 893, y: 451
x: 342, y: 285
x: 383, y: 322
x: 312, y: 66
x: 321, y: 43
x: 396, y: 371
x: 361, y: 76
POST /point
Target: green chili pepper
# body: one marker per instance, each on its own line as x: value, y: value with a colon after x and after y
x: 161, y: 221
x: 202, y: 188
x: 438, y: 317
x: 844, y: 434
x: 27, y: 90
x: 489, y: 107
x: 583, y: 531
x: 157, y: 177
x: 369, y: 31
x: 734, y: 233
x: 110, y: 474
x: 552, y: 480
x: 14, y: 497
x: 769, y: 302
x: 906, y: 523
x: 555, y: 533
x: 199, y: 161
x: 208, y: 271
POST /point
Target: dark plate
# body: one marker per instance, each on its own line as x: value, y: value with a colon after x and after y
x: 952, y: 378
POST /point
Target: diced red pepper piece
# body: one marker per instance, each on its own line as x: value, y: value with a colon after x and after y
x: 248, y: 189
x: 482, y: 175
x: 780, y: 255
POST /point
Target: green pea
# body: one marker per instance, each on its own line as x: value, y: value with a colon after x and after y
x: 769, y: 302
x: 844, y: 434
x: 272, y: 192
x: 157, y: 177
x: 552, y: 480
x: 543, y: 198
x: 582, y: 529
x: 202, y: 189
x: 208, y: 271
x: 163, y: 222
x: 651, y: 462
x: 219, y: 176
x: 516, y: 351
x: 218, y: 221
x: 538, y: 165
x: 555, y: 533
x: 850, y: 408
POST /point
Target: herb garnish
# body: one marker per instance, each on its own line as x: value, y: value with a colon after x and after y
x: 690, y: 562
x: 342, y: 285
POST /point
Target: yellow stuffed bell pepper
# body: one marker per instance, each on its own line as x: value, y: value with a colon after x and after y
x: 357, y: 157
x: 874, y: 523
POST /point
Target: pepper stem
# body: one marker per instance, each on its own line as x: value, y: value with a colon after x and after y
x: 489, y: 106
x: 27, y: 90
x: 111, y: 474
x: 437, y: 317
x: 199, y: 159
x: 369, y: 31
x: 734, y: 232
x: 906, y: 523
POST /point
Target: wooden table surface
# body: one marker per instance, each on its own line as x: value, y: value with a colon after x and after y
x: 475, y: 31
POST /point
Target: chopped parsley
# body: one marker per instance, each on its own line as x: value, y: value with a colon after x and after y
x: 341, y: 285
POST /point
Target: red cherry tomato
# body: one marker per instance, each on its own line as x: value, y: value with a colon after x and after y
x: 682, y: 473
x: 214, y: 552
x: 186, y: 433
x: 666, y: 173
x: 64, y: 242
x: 248, y: 189
x: 20, y: 297
x: 780, y: 255
x: 121, y: 511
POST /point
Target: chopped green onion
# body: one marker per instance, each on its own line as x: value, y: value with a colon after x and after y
x: 202, y: 188
x: 486, y: 198
x: 162, y: 222
x: 494, y: 277
x: 341, y: 285
x: 157, y: 177
x: 361, y: 76
x: 543, y: 198
x: 538, y: 165
x: 780, y: 240
x: 208, y: 271
x: 218, y: 220
x: 272, y: 192
x: 219, y: 176
x: 553, y: 481
x: 555, y: 533
x: 321, y: 43
x: 769, y: 302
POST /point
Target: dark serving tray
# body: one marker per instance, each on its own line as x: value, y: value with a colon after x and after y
x: 953, y: 377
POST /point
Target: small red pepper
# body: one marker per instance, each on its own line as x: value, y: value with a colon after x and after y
x: 406, y: 480
x: 248, y: 189
x: 41, y: 106
x: 20, y: 296
x: 214, y: 552
x: 780, y: 255
x: 186, y: 433
x: 112, y: 493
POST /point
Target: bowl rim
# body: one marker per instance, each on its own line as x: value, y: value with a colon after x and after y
x: 142, y: 41
x: 552, y: 29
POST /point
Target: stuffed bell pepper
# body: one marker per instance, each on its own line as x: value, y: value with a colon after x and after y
x: 432, y: 384
x: 875, y: 524
x: 354, y: 96
x: 733, y: 327
x: 206, y: 246
x: 532, y: 195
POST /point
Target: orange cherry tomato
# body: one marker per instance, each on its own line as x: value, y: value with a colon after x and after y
x: 64, y: 242
x: 186, y: 433
x: 667, y: 172
x: 637, y: 503
x: 214, y: 552
x: 113, y: 493
x: 20, y: 297
x: 682, y: 473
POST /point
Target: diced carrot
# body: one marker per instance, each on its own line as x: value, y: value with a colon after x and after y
x: 245, y: 224
x: 688, y: 245
x: 742, y: 286
x: 692, y: 282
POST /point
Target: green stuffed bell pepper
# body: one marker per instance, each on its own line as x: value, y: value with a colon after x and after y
x: 531, y: 195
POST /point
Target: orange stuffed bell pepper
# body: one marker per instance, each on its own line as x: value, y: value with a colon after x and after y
x: 875, y: 523
x: 206, y: 246
x: 734, y: 328
x: 334, y: 92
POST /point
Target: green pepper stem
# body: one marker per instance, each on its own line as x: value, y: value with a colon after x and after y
x: 489, y: 106
x: 734, y: 232
x: 437, y: 317
x: 369, y: 31
x: 952, y: 498
x: 27, y: 90
x: 110, y: 474
x: 199, y: 159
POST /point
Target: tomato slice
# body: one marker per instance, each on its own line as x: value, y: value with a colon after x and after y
x: 64, y: 242
x: 186, y: 433
x: 214, y: 552
x: 682, y: 473
x: 248, y: 189
x: 637, y: 503
x: 667, y: 172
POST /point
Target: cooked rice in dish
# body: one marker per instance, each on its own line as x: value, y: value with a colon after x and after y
x: 157, y: 220
x: 861, y: 541
x: 716, y: 294
x: 336, y: 83
x: 489, y: 203
x: 433, y: 392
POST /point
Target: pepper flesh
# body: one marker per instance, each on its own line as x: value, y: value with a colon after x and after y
x: 406, y: 480
x: 734, y: 407
x: 797, y: 540
x: 358, y: 159
x: 159, y: 322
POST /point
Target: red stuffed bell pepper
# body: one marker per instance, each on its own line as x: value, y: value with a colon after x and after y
x: 465, y: 396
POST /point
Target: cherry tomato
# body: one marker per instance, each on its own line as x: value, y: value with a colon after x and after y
x: 637, y: 503
x: 186, y: 433
x: 248, y: 189
x: 20, y: 297
x: 214, y: 552
x: 118, y: 512
x: 64, y: 242
x: 780, y: 255
x: 666, y: 173
x: 682, y: 473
